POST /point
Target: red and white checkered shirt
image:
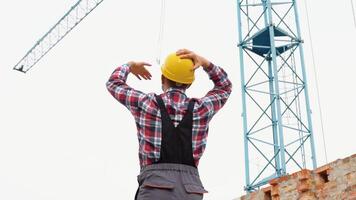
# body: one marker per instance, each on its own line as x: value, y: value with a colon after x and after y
x: 147, y: 114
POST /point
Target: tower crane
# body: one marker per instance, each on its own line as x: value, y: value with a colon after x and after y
x: 277, y: 124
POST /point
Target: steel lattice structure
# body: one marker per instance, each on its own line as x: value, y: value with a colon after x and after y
x: 277, y: 125
x: 69, y: 21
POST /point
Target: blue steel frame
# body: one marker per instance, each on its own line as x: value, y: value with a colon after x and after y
x: 276, y: 84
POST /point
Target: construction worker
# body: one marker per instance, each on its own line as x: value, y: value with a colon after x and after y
x: 172, y: 129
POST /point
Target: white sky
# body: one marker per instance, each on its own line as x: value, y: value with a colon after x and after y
x: 62, y: 136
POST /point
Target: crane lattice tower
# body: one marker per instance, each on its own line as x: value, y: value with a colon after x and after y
x: 277, y: 124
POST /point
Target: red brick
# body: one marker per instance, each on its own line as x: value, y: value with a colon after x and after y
x: 304, y: 174
x: 352, y: 196
x: 279, y: 180
x: 307, y: 196
x: 273, y: 182
x: 336, y: 180
x: 276, y: 198
x: 304, y: 186
x: 322, y: 169
x: 274, y: 191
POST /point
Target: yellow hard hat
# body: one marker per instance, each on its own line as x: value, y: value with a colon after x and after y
x: 178, y: 70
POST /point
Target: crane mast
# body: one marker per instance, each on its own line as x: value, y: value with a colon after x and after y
x: 68, y: 22
x: 277, y: 125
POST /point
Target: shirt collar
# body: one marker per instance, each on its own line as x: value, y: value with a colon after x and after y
x: 172, y: 89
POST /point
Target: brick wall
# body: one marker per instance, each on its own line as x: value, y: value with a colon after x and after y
x: 334, y: 181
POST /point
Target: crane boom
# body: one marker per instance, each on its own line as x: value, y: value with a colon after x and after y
x: 70, y: 20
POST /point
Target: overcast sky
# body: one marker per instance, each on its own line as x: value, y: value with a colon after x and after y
x: 62, y: 135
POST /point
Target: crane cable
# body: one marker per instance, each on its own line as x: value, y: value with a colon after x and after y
x: 353, y: 12
x: 161, y: 32
x: 316, y: 80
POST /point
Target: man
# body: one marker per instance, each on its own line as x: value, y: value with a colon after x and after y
x: 172, y: 128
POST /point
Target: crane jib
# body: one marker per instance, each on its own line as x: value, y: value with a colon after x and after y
x: 68, y: 22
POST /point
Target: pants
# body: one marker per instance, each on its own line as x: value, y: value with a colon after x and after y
x: 169, y: 182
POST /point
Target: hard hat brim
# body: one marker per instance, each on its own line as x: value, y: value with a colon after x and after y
x: 171, y: 77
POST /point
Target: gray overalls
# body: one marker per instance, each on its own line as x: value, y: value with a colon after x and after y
x: 174, y: 176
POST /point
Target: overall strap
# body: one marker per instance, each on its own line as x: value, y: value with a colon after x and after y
x: 176, y: 143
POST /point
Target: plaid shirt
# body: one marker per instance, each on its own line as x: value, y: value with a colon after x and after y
x: 147, y: 115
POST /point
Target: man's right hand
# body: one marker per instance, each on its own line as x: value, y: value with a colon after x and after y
x: 139, y: 70
x: 197, y: 60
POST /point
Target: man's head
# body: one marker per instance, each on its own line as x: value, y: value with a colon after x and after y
x: 177, y: 72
